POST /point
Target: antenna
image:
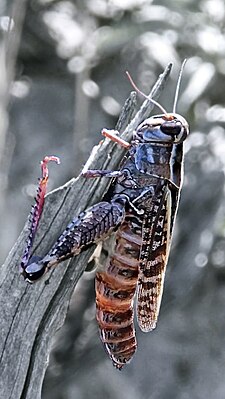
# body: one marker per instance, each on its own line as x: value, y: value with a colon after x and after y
x: 144, y: 95
x: 178, y: 85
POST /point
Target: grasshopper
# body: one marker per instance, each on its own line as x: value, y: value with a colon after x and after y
x: 139, y: 209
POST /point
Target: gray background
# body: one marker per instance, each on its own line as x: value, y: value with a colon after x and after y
x: 69, y: 83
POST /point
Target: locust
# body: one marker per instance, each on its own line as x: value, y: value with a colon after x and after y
x: 139, y: 210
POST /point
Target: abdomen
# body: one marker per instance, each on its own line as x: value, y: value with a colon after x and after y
x: 115, y: 290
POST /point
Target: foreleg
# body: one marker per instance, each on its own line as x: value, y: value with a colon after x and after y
x: 114, y: 136
x: 93, y: 225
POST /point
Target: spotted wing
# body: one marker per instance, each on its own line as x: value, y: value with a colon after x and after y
x: 156, y: 239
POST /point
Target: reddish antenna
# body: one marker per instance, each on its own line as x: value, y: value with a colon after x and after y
x: 144, y: 95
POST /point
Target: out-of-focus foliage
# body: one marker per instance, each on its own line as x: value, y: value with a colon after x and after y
x: 69, y: 83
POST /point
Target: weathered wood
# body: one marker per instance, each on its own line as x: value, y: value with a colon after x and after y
x: 30, y: 314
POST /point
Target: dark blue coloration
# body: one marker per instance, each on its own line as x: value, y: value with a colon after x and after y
x: 155, y: 153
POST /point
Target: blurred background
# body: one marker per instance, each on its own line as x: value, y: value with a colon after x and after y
x: 62, y: 80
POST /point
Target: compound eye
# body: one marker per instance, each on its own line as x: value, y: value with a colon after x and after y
x: 171, y: 128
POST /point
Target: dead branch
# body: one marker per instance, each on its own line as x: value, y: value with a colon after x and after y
x: 30, y: 314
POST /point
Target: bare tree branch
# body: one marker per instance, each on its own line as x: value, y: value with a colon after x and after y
x: 30, y: 314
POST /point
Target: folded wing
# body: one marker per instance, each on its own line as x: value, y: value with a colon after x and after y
x: 156, y: 240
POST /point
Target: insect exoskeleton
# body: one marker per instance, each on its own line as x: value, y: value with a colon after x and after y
x: 139, y: 210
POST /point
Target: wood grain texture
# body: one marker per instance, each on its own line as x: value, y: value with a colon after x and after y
x: 31, y: 314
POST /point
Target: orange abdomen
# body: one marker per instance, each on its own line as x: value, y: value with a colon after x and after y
x: 115, y: 290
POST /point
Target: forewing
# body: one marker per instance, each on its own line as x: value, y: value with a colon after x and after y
x: 156, y: 236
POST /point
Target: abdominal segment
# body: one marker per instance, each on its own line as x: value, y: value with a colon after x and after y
x: 115, y: 290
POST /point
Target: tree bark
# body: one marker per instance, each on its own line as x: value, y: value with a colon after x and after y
x: 30, y: 314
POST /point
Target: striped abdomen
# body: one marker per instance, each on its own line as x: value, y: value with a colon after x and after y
x: 115, y: 289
